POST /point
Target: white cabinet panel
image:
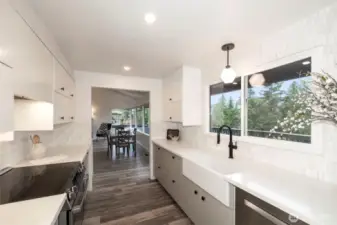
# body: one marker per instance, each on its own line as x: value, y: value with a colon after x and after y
x: 7, y: 104
x: 31, y: 61
x: 33, y: 115
x: 64, y: 84
x: 61, y: 104
x: 182, y: 97
x: 63, y: 109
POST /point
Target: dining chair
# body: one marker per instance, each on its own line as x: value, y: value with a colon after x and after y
x: 123, y: 141
x: 133, y: 142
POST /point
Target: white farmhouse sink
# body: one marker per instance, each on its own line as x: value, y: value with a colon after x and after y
x: 48, y: 160
x: 209, y: 173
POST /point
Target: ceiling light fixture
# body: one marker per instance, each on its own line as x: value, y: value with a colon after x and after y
x: 257, y: 80
x: 150, y: 18
x: 127, y: 68
x: 228, y: 75
x: 306, y: 63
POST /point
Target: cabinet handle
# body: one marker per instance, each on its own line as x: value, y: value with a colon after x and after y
x: 72, y: 117
x: 173, y: 157
x: 62, y: 88
x: 158, y: 167
x: 195, y: 192
x: 170, y: 118
x: 62, y: 117
x: 173, y: 181
x: 158, y: 149
x: 72, y: 95
x: 170, y: 99
x: 263, y: 213
x: 203, y: 198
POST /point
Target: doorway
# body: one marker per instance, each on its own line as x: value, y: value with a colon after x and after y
x: 120, y: 129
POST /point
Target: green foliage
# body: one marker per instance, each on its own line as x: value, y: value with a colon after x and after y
x: 226, y: 113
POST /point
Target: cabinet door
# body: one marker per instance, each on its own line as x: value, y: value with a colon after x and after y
x: 61, y: 79
x: 217, y: 213
x: 157, y: 161
x: 31, y: 61
x: 173, y: 111
x: 61, y: 113
x: 7, y: 104
x: 190, y: 202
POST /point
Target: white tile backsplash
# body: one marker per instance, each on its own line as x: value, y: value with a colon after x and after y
x: 15, y: 151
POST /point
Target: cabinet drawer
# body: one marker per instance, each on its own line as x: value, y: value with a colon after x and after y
x: 202, y: 208
x: 171, y: 162
x: 218, y: 214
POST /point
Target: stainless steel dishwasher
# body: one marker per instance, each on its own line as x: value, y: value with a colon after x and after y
x: 251, y: 210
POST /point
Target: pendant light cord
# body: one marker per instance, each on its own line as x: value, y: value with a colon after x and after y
x: 227, y: 57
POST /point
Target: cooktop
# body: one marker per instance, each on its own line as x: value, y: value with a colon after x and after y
x: 24, y: 183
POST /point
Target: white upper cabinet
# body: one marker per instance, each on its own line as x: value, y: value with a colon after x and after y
x: 31, y: 61
x: 64, y: 98
x: 7, y: 104
x: 64, y: 84
x: 182, y: 96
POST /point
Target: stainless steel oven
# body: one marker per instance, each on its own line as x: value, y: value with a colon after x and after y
x: 77, y: 211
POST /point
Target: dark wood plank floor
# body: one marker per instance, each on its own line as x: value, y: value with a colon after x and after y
x: 124, y: 195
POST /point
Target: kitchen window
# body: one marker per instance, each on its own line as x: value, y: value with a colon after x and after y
x: 225, y: 106
x: 139, y: 117
x: 268, y: 110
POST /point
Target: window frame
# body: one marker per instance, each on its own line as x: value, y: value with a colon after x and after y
x: 140, y: 110
x: 315, y: 147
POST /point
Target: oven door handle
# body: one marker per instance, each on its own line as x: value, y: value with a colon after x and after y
x: 78, y: 208
x: 264, y: 213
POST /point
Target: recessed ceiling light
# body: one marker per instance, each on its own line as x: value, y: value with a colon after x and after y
x: 150, y: 18
x: 306, y: 62
x: 127, y: 68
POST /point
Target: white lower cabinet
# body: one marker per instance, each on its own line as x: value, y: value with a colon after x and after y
x: 201, y: 207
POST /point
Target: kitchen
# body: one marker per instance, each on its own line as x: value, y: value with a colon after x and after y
x: 50, y: 65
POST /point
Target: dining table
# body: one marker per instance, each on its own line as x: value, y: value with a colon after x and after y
x: 131, y: 137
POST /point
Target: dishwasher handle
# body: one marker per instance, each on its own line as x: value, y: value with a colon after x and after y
x: 264, y: 213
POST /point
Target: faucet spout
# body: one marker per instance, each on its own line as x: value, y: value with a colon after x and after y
x: 231, y: 146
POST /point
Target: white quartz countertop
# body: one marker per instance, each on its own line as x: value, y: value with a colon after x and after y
x: 310, y: 200
x: 59, y: 154
x: 41, y: 211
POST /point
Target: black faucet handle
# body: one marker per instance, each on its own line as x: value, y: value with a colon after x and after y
x: 235, y: 146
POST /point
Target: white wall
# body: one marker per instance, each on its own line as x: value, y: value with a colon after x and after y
x: 84, y: 83
x: 143, y: 140
x: 318, y: 31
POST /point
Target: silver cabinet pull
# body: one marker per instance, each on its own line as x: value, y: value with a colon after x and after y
x: 264, y: 214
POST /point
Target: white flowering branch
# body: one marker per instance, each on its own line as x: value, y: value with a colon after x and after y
x: 317, y: 101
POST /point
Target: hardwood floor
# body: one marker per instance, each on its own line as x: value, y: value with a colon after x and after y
x: 123, y: 194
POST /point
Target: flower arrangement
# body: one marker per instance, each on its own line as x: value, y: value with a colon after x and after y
x: 317, y: 101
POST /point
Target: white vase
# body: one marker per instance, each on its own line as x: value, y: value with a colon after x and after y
x: 38, y: 151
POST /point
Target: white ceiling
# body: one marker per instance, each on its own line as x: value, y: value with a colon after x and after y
x: 104, y: 35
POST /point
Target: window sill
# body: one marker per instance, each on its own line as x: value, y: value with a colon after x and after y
x: 273, y: 143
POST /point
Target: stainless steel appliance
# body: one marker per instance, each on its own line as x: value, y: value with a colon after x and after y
x: 24, y: 183
x: 251, y: 210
